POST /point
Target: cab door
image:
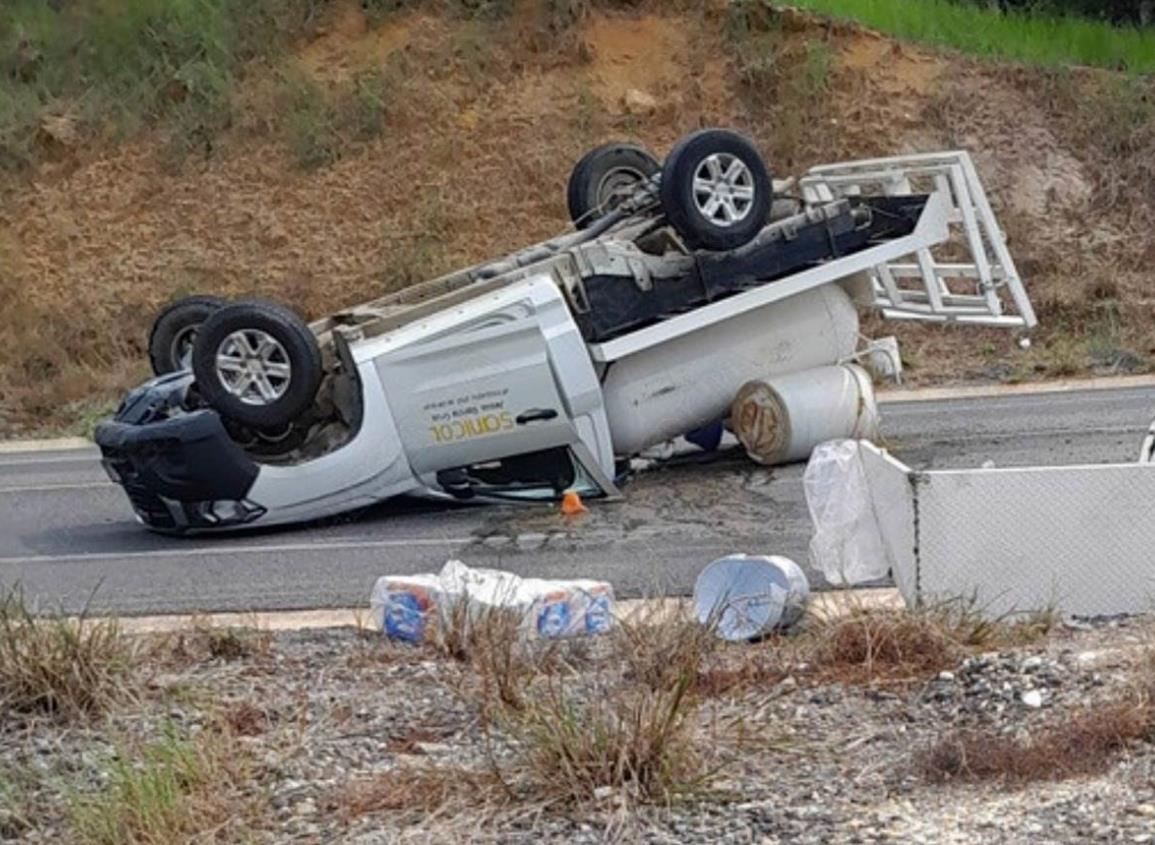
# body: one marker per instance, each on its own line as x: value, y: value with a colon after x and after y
x: 483, y: 392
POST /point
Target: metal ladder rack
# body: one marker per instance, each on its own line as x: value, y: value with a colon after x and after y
x: 984, y: 290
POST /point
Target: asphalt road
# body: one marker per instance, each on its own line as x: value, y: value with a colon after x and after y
x: 68, y: 538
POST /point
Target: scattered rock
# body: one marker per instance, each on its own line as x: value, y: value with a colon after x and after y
x: 639, y: 103
x: 59, y: 131
x: 784, y: 687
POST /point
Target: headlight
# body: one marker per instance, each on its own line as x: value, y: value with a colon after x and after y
x: 226, y: 512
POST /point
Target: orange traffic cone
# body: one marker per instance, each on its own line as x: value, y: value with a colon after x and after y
x: 571, y: 504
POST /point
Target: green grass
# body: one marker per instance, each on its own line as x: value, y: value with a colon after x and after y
x: 320, y: 124
x: 16, y: 812
x: 1034, y: 39
x: 114, y: 66
x: 171, y: 790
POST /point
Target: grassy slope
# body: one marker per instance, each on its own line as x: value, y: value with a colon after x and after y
x: 115, y: 66
x: 347, y: 156
x: 1047, y: 41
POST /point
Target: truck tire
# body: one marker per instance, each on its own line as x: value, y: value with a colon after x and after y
x: 604, y: 177
x: 257, y: 363
x: 175, y: 328
x: 716, y: 190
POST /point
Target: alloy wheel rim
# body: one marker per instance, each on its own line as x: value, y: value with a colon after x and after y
x: 253, y: 366
x: 724, y: 190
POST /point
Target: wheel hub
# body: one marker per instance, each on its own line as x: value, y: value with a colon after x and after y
x: 253, y: 366
x: 182, y: 346
x: 617, y: 186
x: 723, y: 189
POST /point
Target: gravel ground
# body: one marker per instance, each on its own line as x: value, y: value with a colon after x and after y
x: 803, y: 755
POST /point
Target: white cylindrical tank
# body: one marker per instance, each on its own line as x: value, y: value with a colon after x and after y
x: 677, y: 386
x: 782, y: 419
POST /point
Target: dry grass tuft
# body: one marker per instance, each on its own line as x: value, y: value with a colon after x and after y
x: 617, y: 714
x: 235, y: 643
x: 462, y: 631
x: 204, y: 641
x: 243, y: 718
x: 878, y: 642
x: 1026, y: 629
x: 864, y: 643
x: 491, y: 643
x: 624, y: 722
x: 1086, y: 742
x: 398, y: 790
x: 633, y: 740
x: 970, y: 626
x: 752, y: 668
x: 661, y: 646
x: 59, y: 667
x: 419, y: 791
x: 17, y: 811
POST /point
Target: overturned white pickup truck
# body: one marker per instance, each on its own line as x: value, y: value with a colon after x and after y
x: 537, y: 373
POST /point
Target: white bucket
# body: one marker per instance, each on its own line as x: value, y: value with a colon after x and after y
x: 748, y: 596
x: 783, y: 418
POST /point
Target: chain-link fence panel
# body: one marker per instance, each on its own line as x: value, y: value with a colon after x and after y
x: 1080, y: 539
x: 1075, y: 539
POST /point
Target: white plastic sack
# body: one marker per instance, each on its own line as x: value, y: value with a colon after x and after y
x: 847, y: 545
x: 407, y: 607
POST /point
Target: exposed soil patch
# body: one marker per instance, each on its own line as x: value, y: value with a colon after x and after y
x: 636, y: 54
x: 351, y: 42
x: 897, y: 69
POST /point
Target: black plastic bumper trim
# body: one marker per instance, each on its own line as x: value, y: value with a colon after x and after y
x: 188, y: 458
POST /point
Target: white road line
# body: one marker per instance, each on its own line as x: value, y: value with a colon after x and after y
x: 29, y: 459
x: 994, y: 391
x: 48, y: 488
x: 214, y: 551
x: 53, y: 445
x: 1033, y: 402
x: 524, y: 542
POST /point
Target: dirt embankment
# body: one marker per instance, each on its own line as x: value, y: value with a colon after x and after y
x: 478, y: 124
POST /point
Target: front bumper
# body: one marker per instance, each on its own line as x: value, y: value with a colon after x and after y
x: 180, y: 473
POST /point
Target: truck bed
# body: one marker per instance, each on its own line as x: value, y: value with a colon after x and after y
x: 616, y: 306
